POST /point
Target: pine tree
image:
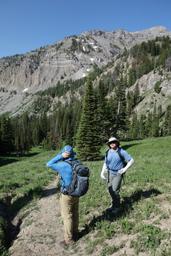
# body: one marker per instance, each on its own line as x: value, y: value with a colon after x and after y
x: 35, y: 131
x: 155, y: 123
x: 23, y: 138
x: 134, y: 127
x: 121, y: 117
x: 136, y: 95
x: 68, y: 126
x: 132, y: 77
x: 88, y: 136
x: 103, y: 112
x: 148, y: 125
x: 142, y: 127
x: 44, y: 126
x: 6, y: 135
x: 167, y: 122
x: 130, y: 102
x: 113, y: 107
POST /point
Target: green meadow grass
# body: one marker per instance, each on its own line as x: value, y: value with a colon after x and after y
x: 146, y: 188
x: 25, y: 175
x: 21, y: 181
x: 147, y: 184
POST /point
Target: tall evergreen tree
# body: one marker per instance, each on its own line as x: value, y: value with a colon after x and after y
x: 167, y: 122
x: 148, y: 125
x: 6, y: 135
x: 130, y: 102
x: 142, y: 127
x: 88, y: 137
x: 44, y: 126
x: 23, y: 138
x: 155, y: 123
x: 134, y: 127
x: 103, y: 112
x: 121, y: 117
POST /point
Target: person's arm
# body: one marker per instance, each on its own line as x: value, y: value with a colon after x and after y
x: 52, y: 163
x: 128, y: 165
x: 104, y: 171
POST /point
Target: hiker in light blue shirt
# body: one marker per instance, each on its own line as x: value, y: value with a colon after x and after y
x: 117, y: 161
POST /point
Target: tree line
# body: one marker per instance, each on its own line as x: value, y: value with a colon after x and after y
x: 88, y: 124
x: 148, y: 56
x: 85, y: 125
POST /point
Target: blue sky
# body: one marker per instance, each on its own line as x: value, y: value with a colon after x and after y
x: 28, y: 24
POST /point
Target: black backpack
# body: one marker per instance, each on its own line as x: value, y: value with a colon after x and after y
x: 80, y: 179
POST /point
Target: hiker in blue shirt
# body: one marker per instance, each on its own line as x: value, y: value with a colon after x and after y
x: 117, y: 161
x: 69, y: 204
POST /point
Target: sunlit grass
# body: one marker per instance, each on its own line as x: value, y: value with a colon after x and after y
x: 146, y: 184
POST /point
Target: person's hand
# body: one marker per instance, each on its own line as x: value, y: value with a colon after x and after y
x: 102, y: 176
x: 128, y: 165
x: 122, y: 171
x: 65, y: 154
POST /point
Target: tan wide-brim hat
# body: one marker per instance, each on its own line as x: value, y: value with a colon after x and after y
x: 112, y: 139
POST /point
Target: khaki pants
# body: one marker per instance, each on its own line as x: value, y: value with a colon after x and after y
x: 70, y: 216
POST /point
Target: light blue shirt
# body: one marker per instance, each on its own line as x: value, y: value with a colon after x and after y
x: 114, y: 162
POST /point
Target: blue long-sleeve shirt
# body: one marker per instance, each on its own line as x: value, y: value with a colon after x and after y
x: 59, y: 164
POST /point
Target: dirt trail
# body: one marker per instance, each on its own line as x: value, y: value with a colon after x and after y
x: 42, y: 230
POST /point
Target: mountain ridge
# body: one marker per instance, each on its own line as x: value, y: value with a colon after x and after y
x: 21, y: 76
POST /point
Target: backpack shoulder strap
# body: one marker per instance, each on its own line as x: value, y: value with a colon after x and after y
x: 106, y: 153
x: 71, y: 187
x: 72, y: 162
x: 121, y: 156
x: 119, y: 153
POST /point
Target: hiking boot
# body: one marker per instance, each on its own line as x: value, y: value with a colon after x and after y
x: 113, y: 210
x: 116, y: 211
x: 76, y: 236
x: 110, y: 209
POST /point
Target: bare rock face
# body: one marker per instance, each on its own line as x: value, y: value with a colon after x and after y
x: 21, y: 76
x: 152, y: 96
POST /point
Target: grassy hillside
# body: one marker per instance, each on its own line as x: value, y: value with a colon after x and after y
x: 144, y: 223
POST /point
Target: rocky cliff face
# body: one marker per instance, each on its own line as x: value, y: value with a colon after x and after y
x: 150, y: 95
x: 21, y: 76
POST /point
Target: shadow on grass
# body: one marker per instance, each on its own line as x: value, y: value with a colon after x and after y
x: 126, y: 207
x: 30, y: 154
x: 4, y: 161
x: 8, y: 159
x: 125, y: 147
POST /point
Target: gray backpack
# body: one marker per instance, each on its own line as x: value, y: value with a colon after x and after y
x: 80, y: 179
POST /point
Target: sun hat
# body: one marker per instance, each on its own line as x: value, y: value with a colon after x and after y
x: 68, y: 149
x: 112, y: 139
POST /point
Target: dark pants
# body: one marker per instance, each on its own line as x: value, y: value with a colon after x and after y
x: 114, y: 185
